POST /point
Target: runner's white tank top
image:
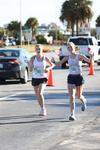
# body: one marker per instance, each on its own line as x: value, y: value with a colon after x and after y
x: 39, y: 68
x: 75, y: 65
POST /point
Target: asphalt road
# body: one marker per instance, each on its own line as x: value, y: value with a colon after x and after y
x: 22, y: 129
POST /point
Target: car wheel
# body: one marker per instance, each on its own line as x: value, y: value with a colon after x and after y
x: 25, y: 79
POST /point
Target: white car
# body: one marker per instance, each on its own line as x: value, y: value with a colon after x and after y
x: 10, y: 42
x: 98, y: 41
x: 98, y: 61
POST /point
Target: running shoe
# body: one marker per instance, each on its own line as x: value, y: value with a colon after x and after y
x: 43, y: 112
x: 72, y: 118
x: 83, y: 107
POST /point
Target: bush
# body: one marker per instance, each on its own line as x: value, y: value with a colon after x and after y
x: 41, y: 40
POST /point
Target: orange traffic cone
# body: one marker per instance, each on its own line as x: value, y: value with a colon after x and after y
x: 50, y: 78
x: 91, y: 69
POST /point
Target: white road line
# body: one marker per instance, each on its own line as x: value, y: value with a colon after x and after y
x: 7, y: 97
x: 66, y: 142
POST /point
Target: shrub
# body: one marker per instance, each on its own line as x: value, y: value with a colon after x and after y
x: 41, y: 40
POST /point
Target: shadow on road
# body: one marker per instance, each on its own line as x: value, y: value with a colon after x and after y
x: 35, y: 119
x: 10, y: 82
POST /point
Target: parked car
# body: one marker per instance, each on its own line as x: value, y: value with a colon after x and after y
x: 10, y: 42
x: 86, y: 44
x: 14, y: 64
x: 98, y: 41
x: 98, y: 61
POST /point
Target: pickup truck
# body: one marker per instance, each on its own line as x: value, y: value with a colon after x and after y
x: 86, y: 44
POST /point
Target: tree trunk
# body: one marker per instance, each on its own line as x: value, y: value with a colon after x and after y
x: 77, y: 27
x: 32, y: 34
x: 72, y: 27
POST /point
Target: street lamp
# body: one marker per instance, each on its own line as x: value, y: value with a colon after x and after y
x: 21, y: 23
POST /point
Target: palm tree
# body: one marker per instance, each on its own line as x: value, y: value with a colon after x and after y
x: 84, y: 12
x: 32, y: 23
x: 67, y: 14
x: 76, y: 11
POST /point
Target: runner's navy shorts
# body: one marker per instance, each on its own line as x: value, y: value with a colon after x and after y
x: 36, y: 81
x: 77, y: 80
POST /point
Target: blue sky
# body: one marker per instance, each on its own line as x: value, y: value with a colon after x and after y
x: 46, y: 11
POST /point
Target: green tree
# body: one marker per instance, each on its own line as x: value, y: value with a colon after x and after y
x: 76, y: 11
x: 14, y: 28
x: 98, y: 21
x: 41, y: 39
x: 56, y: 34
x: 33, y: 24
x: 1, y: 33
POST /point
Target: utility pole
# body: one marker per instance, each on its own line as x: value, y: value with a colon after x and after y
x: 21, y: 23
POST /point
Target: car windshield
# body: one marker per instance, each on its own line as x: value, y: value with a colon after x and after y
x: 9, y: 53
x: 82, y: 41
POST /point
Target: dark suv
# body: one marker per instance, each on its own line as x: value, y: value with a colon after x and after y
x: 14, y: 64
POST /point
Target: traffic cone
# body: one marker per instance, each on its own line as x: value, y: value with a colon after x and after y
x: 50, y: 78
x: 91, y: 69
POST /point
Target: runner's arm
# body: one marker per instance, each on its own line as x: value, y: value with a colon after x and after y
x: 51, y: 64
x: 31, y: 63
x: 59, y: 63
x: 88, y: 60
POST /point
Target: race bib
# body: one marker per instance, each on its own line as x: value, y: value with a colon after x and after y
x: 38, y: 71
x: 73, y: 69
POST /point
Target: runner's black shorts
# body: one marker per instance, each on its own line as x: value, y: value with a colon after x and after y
x: 37, y: 81
x: 77, y: 80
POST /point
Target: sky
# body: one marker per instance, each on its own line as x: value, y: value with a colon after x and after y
x: 46, y: 11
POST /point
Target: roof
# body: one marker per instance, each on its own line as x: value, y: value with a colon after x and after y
x: 11, y: 48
